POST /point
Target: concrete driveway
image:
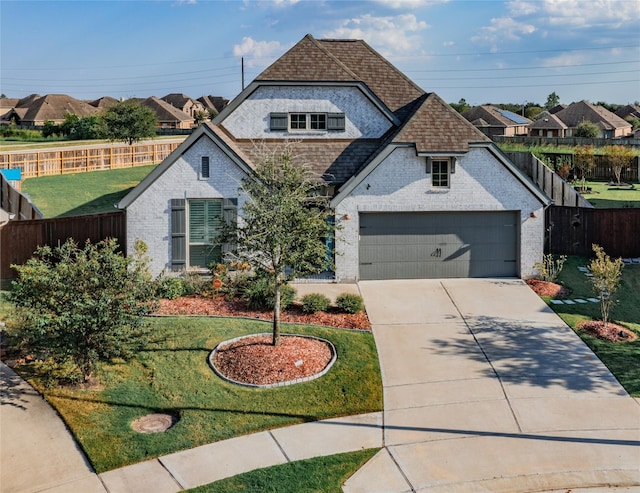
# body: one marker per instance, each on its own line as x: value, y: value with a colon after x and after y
x: 486, y: 389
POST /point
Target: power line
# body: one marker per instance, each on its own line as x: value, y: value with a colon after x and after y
x: 496, y: 69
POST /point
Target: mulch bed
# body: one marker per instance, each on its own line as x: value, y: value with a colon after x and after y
x: 220, y: 306
x: 550, y: 289
x: 254, y: 360
x: 612, y: 332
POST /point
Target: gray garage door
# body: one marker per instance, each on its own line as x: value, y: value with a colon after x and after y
x: 415, y: 245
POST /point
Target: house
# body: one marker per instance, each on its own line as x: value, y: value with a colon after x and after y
x: 547, y: 125
x: 103, y: 103
x: 34, y: 110
x: 611, y: 126
x: 214, y: 104
x: 493, y: 121
x: 168, y: 116
x: 630, y: 110
x: 184, y: 103
x: 417, y: 190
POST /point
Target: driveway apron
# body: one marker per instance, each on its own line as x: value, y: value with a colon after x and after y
x: 486, y: 389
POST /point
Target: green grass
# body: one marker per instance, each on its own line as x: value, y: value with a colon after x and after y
x: 603, y: 196
x: 82, y: 193
x: 173, y: 376
x: 317, y: 475
x: 622, y: 358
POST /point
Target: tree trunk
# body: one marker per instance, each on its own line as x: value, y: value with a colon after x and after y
x: 276, y: 314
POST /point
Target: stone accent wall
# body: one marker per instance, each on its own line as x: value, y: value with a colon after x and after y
x: 363, y: 119
x: 400, y: 183
x: 148, y: 216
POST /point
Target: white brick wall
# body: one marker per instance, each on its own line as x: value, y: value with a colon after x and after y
x: 250, y: 120
x: 400, y: 183
x: 148, y: 216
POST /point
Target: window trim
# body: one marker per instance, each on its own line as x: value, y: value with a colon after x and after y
x: 326, y: 122
x: 440, y: 176
x: 205, y: 167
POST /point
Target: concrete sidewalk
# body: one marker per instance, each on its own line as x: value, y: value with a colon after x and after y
x: 37, y: 452
x: 486, y: 389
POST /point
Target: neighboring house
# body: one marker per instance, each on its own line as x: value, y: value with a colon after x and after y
x: 184, y: 103
x: 630, y: 110
x: 215, y: 103
x: 611, y: 126
x: 34, y: 110
x: 103, y: 103
x: 417, y: 190
x: 555, y: 109
x: 168, y: 116
x: 547, y: 125
x: 493, y: 121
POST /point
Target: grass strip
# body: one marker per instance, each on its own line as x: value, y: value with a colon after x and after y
x: 622, y: 358
x: 317, y: 475
x: 77, y: 194
x: 173, y: 376
x: 605, y: 196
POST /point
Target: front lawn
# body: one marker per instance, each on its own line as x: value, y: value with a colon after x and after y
x: 173, y: 376
x: 622, y: 358
x: 82, y: 193
x: 604, y: 196
x: 317, y: 475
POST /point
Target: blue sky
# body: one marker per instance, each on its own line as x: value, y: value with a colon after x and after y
x: 481, y: 50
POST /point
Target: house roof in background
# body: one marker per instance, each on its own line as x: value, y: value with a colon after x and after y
x: 628, y: 110
x: 214, y: 102
x: 581, y: 111
x: 495, y: 117
x: 548, y: 121
x: 54, y: 107
x: 557, y: 108
x: 104, y: 102
x: 164, y: 111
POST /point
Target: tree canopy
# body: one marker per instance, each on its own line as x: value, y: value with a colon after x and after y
x: 129, y: 121
x: 553, y: 100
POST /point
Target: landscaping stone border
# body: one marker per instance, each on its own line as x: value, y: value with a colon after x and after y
x: 332, y: 348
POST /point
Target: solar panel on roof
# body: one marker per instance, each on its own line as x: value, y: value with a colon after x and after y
x: 514, y: 117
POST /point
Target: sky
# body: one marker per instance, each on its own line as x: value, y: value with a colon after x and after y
x: 485, y: 51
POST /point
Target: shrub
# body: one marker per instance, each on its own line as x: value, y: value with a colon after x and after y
x: 550, y: 267
x: 194, y: 283
x: 170, y: 288
x: 350, y: 303
x: 315, y: 302
x: 259, y: 293
x: 79, y: 306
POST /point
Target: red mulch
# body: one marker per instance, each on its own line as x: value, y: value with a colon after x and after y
x: 199, y: 305
x: 612, y: 332
x: 546, y: 288
x: 254, y: 360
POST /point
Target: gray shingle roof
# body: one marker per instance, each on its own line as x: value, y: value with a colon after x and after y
x: 493, y: 116
x: 581, y: 111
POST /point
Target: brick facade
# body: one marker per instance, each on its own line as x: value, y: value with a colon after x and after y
x: 400, y: 183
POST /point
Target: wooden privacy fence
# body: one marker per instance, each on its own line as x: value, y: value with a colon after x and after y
x: 564, y: 141
x: 19, y: 239
x: 57, y: 162
x: 13, y: 202
x: 572, y: 231
x: 554, y: 187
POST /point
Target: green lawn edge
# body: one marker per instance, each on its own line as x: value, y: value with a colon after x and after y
x: 622, y: 358
x: 317, y: 475
x: 173, y: 376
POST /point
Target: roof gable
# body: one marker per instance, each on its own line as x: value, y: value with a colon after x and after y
x: 165, y: 111
x: 548, y: 121
x: 495, y: 116
x: 580, y: 111
x: 55, y: 106
x: 436, y: 127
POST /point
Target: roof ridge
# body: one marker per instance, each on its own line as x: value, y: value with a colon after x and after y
x: 332, y: 56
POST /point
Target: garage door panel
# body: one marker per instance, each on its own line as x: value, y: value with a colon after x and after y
x: 437, y: 244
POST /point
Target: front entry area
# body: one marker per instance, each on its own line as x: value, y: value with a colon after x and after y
x: 428, y: 245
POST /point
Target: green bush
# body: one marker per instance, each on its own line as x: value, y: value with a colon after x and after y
x: 349, y: 303
x: 170, y: 288
x: 194, y: 283
x: 315, y: 302
x: 259, y: 293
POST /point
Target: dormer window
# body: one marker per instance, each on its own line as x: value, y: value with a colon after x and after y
x: 306, y: 121
x: 441, y: 169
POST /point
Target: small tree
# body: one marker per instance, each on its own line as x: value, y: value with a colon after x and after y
x: 553, y: 100
x: 200, y: 116
x: 129, y: 121
x: 461, y: 106
x: 587, y: 130
x: 83, y: 305
x: 584, y: 160
x: 283, y: 225
x: 618, y: 157
x: 605, y: 280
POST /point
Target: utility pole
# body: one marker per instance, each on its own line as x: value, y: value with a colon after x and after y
x: 242, y: 73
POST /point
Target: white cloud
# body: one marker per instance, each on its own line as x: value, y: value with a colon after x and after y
x: 389, y: 35
x: 590, y: 13
x: 520, y: 7
x: 502, y: 28
x: 448, y: 43
x: 564, y: 59
x: 257, y: 53
x: 409, y: 4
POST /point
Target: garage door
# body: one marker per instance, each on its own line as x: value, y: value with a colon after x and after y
x: 415, y: 245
